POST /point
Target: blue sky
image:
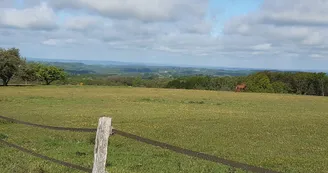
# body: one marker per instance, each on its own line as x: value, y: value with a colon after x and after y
x: 224, y: 10
x: 233, y: 33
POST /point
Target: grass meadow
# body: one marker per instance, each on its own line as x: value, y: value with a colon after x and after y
x: 285, y: 133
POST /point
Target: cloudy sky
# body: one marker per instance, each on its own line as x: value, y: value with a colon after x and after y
x: 283, y: 34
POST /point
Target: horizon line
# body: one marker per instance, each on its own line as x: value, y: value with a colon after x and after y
x: 171, y: 65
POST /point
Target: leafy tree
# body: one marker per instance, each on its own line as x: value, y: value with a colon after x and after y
x: 301, y: 82
x: 10, y: 64
x: 50, y: 74
x: 325, y: 81
x: 322, y: 82
x: 259, y: 82
x: 137, y: 82
x: 30, y: 71
x: 279, y: 87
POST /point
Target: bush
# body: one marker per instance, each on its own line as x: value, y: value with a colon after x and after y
x: 279, y: 87
x: 259, y: 82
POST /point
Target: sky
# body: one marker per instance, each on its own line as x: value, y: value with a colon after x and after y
x: 273, y: 34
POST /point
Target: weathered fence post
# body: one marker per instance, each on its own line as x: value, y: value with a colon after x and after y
x: 101, y: 142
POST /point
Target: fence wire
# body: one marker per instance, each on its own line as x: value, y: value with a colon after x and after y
x: 49, y: 127
x: 70, y: 165
x: 176, y: 149
x: 194, y: 153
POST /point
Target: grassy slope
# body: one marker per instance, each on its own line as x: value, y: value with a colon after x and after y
x: 281, y: 132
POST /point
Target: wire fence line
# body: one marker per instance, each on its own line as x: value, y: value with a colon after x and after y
x: 199, y: 155
x: 70, y: 165
x: 49, y: 127
x: 176, y: 149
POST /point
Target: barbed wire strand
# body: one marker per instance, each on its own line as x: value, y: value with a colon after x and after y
x: 70, y: 165
x: 199, y: 155
x: 195, y: 154
x: 49, y: 127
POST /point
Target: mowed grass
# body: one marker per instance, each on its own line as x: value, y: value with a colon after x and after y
x: 285, y: 133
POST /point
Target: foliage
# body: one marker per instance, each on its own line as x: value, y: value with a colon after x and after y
x: 304, y: 83
x: 50, y: 73
x: 10, y: 64
x: 279, y: 87
x: 194, y: 82
x: 30, y: 72
x: 265, y: 82
x: 259, y: 82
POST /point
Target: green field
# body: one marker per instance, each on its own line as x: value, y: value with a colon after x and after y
x: 284, y: 133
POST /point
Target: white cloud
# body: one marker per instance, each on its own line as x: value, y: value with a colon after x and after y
x: 6, y: 3
x: 278, y: 30
x: 314, y: 39
x: 50, y: 42
x: 57, y: 42
x: 316, y: 56
x: 81, y: 22
x: 295, y: 18
x: 295, y: 12
x: 296, y: 28
x: 70, y: 40
x: 39, y: 17
x: 145, y: 10
x: 265, y: 46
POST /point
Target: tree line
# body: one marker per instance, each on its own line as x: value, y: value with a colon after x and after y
x: 304, y: 83
x: 12, y: 65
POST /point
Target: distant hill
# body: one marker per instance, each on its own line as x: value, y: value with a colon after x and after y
x: 87, y: 62
x: 105, y: 67
x: 83, y: 67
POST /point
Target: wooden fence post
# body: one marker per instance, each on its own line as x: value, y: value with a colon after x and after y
x: 100, y: 152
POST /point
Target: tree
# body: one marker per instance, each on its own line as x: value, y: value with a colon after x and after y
x: 30, y: 71
x: 322, y: 78
x: 301, y: 81
x: 50, y: 74
x: 259, y: 82
x: 137, y: 82
x: 10, y: 64
x: 279, y: 87
x: 325, y: 81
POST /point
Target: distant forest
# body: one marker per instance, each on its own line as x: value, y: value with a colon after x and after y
x: 303, y: 83
x: 16, y: 70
